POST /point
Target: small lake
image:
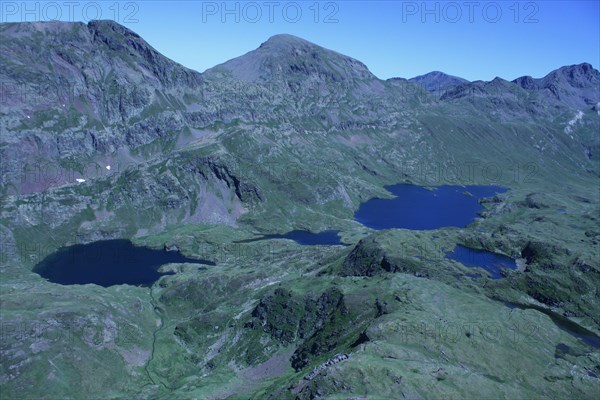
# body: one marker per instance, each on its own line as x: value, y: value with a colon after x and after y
x: 304, y: 238
x: 493, y: 263
x: 420, y: 208
x: 107, y: 263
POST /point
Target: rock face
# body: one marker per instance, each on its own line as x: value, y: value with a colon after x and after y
x: 288, y: 317
x: 280, y: 315
x: 71, y: 91
x: 317, y: 324
x: 101, y: 68
x: 328, y: 336
x: 369, y: 258
x: 366, y: 259
x: 336, y: 359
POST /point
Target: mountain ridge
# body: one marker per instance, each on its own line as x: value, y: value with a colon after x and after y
x: 576, y: 85
x: 279, y: 42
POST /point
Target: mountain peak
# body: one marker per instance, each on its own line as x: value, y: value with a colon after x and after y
x: 577, y: 75
x: 583, y: 67
x: 285, y: 39
x: 437, y: 81
x: 436, y: 74
x: 104, y: 25
x: 576, y: 85
x: 285, y: 56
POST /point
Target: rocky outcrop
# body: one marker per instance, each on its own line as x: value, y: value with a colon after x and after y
x: 328, y: 336
x: 542, y: 253
x: 332, y: 361
x: 320, y: 324
x: 366, y: 259
x: 536, y: 200
x: 287, y: 316
x: 369, y: 258
x: 279, y: 314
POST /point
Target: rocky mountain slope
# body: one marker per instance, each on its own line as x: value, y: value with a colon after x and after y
x: 573, y: 85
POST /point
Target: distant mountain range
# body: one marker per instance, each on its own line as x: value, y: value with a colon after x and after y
x: 576, y: 85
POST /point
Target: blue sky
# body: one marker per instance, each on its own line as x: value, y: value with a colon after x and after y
x: 472, y: 39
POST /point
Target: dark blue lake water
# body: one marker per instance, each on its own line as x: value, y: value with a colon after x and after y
x: 303, y: 237
x: 419, y: 208
x: 107, y: 263
x: 493, y: 263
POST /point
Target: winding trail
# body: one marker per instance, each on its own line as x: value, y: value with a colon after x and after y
x: 158, y: 312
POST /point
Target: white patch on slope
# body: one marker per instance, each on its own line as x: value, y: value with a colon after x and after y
x: 571, y: 123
